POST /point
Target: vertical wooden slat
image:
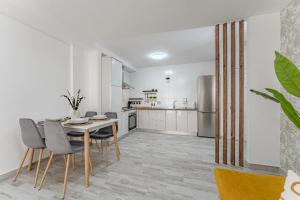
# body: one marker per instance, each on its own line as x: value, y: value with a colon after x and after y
x: 232, y: 112
x: 217, y: 130
x: 241, y: 93
x: 225, y: 93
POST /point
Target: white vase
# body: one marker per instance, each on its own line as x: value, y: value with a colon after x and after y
x: 75, y: 114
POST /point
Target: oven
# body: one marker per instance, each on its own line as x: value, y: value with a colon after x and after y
x: 132, y: 120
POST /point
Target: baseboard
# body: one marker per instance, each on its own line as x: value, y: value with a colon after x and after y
x: 272, y: 169
x: 165, y: 132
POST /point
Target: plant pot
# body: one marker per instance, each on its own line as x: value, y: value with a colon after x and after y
x: 75, y: 114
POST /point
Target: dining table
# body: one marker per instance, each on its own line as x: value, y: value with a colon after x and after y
x: 86, y: 128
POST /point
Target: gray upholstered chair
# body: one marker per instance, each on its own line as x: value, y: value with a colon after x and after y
x: 32, y: 138
x: 58, y: 144
x: 80, y: 134
x: 104, y: 134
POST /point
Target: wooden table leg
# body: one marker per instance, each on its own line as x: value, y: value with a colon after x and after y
x: 30, y: 158
x: 86, y: 158
x: 117, y: 149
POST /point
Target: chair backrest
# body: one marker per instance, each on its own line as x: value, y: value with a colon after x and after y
x: 56, y: 138
x: 90, y: 113
x: 110, y: 115
x: 30, y: 134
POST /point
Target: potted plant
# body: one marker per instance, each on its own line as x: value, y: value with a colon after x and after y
x: 289, y: 77
x: 74, y: 102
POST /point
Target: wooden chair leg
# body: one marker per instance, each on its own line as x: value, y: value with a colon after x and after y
x: 38, y: 167
x: 102, y: 146
x: 46, y: 170
x: 31, y: 154
x: 66, y: 176
x: 21, y: 165
x: 65, y: 159
x: 73, y: 161
x: 106, y: 151
x: 91, y: 164
x: 97, y: 145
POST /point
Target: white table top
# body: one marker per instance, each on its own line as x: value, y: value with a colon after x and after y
x: 94, y: 125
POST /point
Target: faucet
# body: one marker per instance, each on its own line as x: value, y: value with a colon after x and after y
x: 174, y: 104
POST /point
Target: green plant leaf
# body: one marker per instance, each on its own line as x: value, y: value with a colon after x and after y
x: 265, y: 95
x: 287, y: 74
x: 286, y: 106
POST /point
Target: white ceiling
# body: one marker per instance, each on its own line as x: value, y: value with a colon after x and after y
x: 95, y: 21
x: 187, y: 46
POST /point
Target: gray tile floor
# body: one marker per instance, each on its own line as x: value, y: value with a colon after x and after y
x: 152, y: 167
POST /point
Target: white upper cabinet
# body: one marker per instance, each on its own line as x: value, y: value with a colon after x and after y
x: 192, y: 122
x: 116, y: 99
x: 111, y: 85
x: 171, y: 120
x: 116, y: 73
x: 182, y: 121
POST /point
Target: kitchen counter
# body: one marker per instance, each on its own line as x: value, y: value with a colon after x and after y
x: 164, y: 108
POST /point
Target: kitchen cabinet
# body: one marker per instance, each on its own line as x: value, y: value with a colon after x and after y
x: 152, y: 119
x: 123, y: 124
x: 116, y: 99
x: 157, y: 119
x: 182, y: 121
x: 192, y: 122
x: 143, y: 119
x: 116, y: 73
x: 171, y: 120
x: 111, y: 85
x: 168, y: 120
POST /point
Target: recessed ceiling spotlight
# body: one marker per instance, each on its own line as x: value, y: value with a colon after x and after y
x: 158, y: 55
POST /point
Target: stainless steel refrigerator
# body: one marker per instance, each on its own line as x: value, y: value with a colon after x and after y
x: 206, y: 106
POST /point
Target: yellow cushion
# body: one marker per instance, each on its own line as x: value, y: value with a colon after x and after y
x: 236, y: 185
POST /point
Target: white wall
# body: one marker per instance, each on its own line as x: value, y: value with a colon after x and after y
x: 35, y: 71
x: 182, y: 83
x: 264, y: 116
x: 85, y: 74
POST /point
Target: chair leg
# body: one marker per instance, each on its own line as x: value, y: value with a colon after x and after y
x: 66, y: 176
x: 91, y: 164
x: 21, y: 165
x: 73, y: 161
x: 102, y: 146
x: 31, y: 154
x: 97, y: 145
x: 106, y: 151
x: 38, y: 167
x: 65, y: 159
x: 46, y: 170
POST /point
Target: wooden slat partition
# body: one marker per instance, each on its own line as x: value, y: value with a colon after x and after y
x: 225, y: 93
x: 241, y: 93
x: 217, y: 129
x: 233, y: 86
x: 232, y: 101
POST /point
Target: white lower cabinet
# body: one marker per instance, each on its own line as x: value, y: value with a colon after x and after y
x: 192, y: 122
x: 123, y: 127
x: 143, y: 119
x: 171, y: 120
x: 152, y: 119
x: 159, y: 118
x: 182, y: 121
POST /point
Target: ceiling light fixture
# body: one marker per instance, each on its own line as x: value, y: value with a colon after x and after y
x: 158, y: 55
